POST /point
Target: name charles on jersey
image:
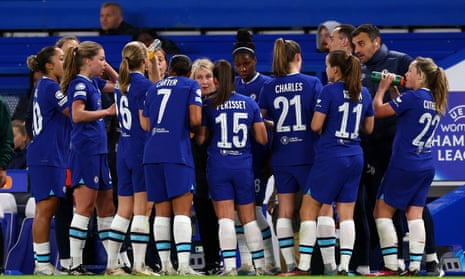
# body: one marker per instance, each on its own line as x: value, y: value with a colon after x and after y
x: 289, y: 87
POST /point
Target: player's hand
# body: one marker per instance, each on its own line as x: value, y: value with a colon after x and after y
x: 394, y: 91
x: 2, y: 178
x: 386, y: 81
x: 111, y: 110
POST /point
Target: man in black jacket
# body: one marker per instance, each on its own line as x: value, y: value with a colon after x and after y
x: 112, y: 20
x: 377, y: 147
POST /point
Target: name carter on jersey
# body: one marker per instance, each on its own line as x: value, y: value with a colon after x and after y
x: 167, y: 82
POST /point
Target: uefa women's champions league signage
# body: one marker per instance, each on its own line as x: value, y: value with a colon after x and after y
x: 449, y: 141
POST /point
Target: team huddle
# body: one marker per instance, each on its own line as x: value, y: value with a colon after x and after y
x: 202, y: 133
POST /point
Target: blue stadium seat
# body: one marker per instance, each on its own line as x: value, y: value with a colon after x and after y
x: 447, y: 212
x: 14, y: 74
x: 9, y: 220
x: 84, y: 14
x: 20, y: 258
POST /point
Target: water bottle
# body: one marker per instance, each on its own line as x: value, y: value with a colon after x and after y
x: 156, y: 44
x: 377, y: 76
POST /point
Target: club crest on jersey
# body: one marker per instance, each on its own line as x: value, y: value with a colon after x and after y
x: 397, y: 101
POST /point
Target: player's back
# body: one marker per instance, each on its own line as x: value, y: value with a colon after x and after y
x: 51, y: 128
x: 341, y: 132
x: 289, y: 102
x: 167, y: 106
x: 417, y: 122
x: 230, y: 127
x: 132, y: 137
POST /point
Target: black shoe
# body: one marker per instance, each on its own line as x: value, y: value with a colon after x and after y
x: 80, y: 270
x: 433, y: 268
x: 66, y: 270
x: 343, y: 273
x: 403, y: 272
x: 213, y: 270
x: 127, y: 269
x: 413, y: 273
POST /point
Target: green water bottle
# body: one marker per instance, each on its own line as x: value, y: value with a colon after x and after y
x: 377, y: 76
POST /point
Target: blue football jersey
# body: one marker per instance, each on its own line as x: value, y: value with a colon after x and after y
x: 167, y: 105
x: 341, y: 129
x: 87, y: 137
x: 230, y: 126
x: 99, y: 82
x: 416, y: 124
x: 133, y: 137
x: 51, y: 128
x: 289, y: 102
x: 253, y: 87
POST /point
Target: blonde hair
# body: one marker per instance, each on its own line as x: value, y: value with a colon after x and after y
x: 435, y: 80
x: 201, y: 63
x: 283, y: 53
x: 132, y: 56
x: 60, y: 43
x: 74, y: 60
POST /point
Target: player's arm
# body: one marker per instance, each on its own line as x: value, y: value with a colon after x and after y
x: 144, y: 121
x: 383, y: 109
x: 368, y: 125
x: 153, y: 69
x: 317, y: 122
x: 195, y: 118
x: 111, y: 73
x: 112, y: 78
x: 268, y: 123
x: 201, y: 137
x: 259, y: 132
x: 80, y: 114
x: 65, y: 112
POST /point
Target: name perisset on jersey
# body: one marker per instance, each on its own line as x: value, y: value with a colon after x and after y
x: 231, y: 105
x: 288, y: 87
